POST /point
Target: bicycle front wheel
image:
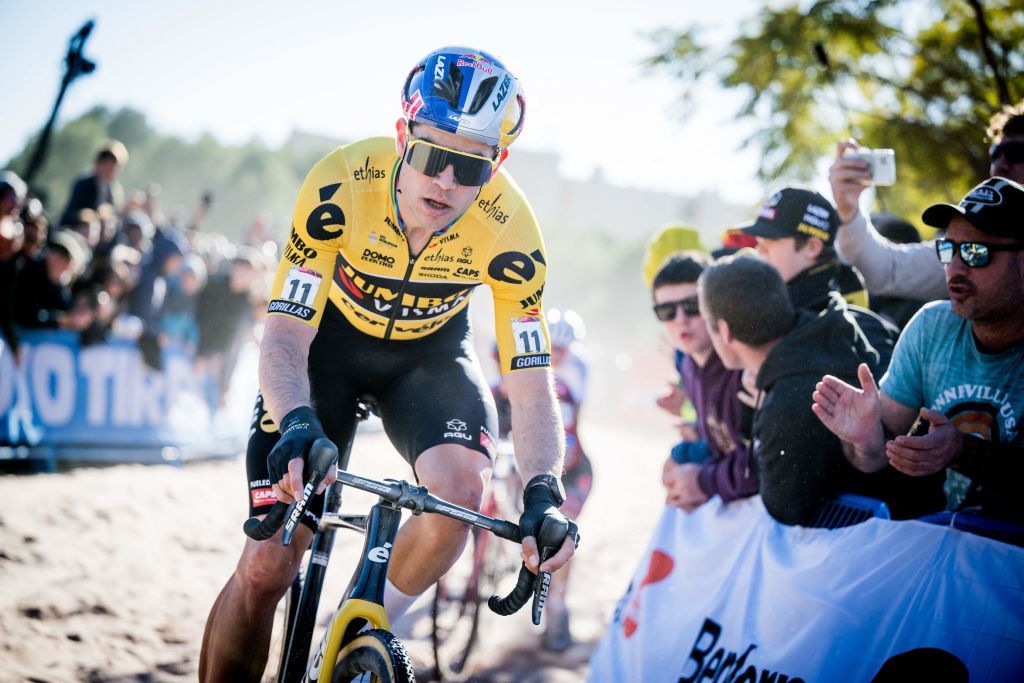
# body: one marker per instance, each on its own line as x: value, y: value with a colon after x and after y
x: 376, y: 652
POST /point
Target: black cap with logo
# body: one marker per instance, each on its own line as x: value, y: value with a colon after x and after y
x: 795, y: 211
x: 996, y: 207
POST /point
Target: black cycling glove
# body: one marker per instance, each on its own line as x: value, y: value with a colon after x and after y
x: 542, y: 497
x: 299, y: 429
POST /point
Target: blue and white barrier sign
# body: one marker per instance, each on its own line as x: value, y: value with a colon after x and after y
x: 60, y: 394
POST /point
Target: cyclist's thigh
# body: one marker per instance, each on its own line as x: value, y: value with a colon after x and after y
x: 442, y: 399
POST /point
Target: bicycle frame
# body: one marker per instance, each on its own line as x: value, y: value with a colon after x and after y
x: 364, y: 600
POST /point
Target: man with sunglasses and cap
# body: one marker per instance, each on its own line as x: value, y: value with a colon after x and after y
x: 909, y: 270
x: 390, y: 237
x: 959, y: 366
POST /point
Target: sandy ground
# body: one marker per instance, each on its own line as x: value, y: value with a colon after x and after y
x: 108, y: 573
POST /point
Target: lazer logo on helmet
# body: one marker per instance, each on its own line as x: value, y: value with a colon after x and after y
x: 502, y: 92
x: 439, y: 68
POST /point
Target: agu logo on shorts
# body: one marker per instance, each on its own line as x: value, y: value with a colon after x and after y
x: 457, y: 430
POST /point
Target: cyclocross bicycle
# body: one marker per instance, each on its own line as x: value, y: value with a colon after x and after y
x: 461, y: 592
x: 358, y: 639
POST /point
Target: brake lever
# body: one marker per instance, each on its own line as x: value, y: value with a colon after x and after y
x: 549, y: 539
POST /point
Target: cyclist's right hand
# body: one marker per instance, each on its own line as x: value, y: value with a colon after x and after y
x: 286, y: 461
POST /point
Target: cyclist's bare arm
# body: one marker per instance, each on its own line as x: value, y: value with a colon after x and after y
x: 539, y: 443
x: 284, y: 356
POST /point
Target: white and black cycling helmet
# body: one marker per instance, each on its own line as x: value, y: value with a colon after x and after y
x: 465, y: 92
x: 564, y: 327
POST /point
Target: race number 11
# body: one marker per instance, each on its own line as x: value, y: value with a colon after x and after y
x: 301, y: 285
x: 529, y: 335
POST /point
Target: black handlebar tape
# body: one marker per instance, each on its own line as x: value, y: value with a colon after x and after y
x: 262, y: 529
x: 520, y: 595
x: 507, y: 530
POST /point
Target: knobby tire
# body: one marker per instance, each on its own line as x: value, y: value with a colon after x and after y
x: 376, y: 652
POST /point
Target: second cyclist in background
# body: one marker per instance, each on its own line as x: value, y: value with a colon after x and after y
x: 568, y: 361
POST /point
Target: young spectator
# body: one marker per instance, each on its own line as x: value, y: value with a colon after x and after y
x: 910, y: 271
x: 725, y: 468
x: 100, y: 186
x: 958, y: 365
x: 178, y: 318
x: 754, y: 326
x: 795, y: 230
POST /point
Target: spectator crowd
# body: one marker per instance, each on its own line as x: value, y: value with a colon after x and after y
x: 114, y: 266
x: 843, y: 355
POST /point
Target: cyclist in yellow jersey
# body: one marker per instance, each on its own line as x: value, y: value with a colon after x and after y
x: 389, y: 239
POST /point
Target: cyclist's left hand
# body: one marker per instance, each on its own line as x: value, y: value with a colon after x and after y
x: 539, y: 502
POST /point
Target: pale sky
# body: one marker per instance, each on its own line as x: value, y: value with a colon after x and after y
x: 245, y: 70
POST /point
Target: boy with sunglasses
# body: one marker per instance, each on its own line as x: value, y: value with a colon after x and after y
x: 389, y: 239
x: 959, y: 365
x: 723, y: 466
x: 909, y: 270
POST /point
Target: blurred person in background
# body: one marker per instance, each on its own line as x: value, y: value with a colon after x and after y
x: 42, y: 291
x: 567, y: 331
x: 12, y: 194
x: 100, y: 186
x: 910, y: 270
x: 222, y: 312
x: 178, y: 322
x: 136, y: 232
x: 896, y: 310
x: 717, y: 461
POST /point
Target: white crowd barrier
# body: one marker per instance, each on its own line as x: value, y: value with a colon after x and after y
x: 728, y: 594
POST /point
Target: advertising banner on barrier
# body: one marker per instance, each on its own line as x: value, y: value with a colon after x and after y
x: 728, y: 594
x: 62, y: 395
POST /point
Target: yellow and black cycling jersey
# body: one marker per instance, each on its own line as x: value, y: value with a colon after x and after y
x: 348, y: 249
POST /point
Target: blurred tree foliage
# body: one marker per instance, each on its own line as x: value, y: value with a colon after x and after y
x: 920, y: 77
x: 245, y: 180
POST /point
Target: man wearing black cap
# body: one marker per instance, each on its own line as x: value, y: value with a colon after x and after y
x: 795, y: 230
x: 959, y: 365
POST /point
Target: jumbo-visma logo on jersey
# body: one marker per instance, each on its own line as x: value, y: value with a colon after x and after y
x: 387, y: 297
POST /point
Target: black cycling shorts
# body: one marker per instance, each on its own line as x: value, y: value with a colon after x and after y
x: 429, y: 391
